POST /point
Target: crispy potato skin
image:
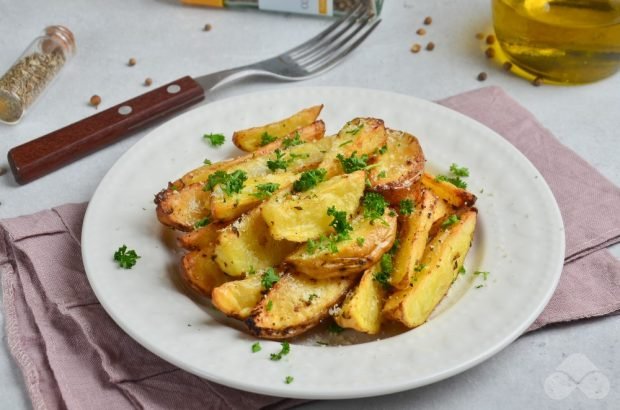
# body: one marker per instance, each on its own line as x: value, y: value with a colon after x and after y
x: 201, y: 238
x: 400, y: 167
x: 247, y: 244
x: 351, y: 257
x: 292, y: 308
x: 182, y: 209
x: 201, y: 273
x: 250, y: 139
x: 238, y: 298
x: 298, y: 217
x: 361, y: 309
x: 443, y: 257
x: 452, y: 194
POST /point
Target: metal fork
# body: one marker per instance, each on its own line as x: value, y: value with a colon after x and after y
x: 309, y: 59
x: 59, y: 148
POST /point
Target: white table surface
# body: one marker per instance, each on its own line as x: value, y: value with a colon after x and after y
x: 168, y: 42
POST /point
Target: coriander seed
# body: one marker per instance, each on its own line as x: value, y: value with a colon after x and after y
x: 416, y: 48
x: 428, y: 21
x: 507, y: 66
x: 207, y: 27
x: 430, y: 46
x: 537, y: 82
x: 148, y: 81
x: 35, y: 69
x: 482, y: 76
x: 131, y: 62
x: 490, y: 52
x: 490, y: 39
x: 421, y: 32
x: 95, y: 100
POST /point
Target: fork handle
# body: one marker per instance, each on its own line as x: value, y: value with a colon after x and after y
x: 50, y: 152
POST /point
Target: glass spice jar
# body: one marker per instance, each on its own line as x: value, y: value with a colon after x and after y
x: 34, y: 71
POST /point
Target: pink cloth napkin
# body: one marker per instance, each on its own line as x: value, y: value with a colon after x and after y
x: 73, y: 356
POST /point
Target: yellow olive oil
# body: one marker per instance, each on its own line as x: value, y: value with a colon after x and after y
x: 566, y: 41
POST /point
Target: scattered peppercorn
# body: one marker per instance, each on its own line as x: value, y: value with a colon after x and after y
x: 148, y: 81
x: 95, y: 100
x: 132, y: 62
x: 537, y: 82
x: 479, y: 36
x: 428, y: 21
x: 507, y: 66
x: 421, y: 32
x: 490, y: 52
x: 482, y: 76
x: 490, y: 39
x: 430, y: 46
x: 207, y: 27
x: 416, y: 48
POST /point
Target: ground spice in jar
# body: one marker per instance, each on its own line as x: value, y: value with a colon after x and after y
x: 33, y: 71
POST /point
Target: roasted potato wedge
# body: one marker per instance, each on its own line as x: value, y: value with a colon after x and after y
x: 298, y: 217
x: 295, y: 304
x: 413, y: 235
x: 361, y: 309
x: 238, y: 298
x: 455, y: 196
x: 353, y: 256
x: 250, y: 139
x: 360, y: 136
x: 247, y: 245
x: 398, y: 165
x: 201, y: 273
x: 442, y: 259
x: 201, y: 238
x: 183, y: 209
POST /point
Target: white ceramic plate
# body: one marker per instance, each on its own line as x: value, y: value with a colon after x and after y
x: 519, y: 240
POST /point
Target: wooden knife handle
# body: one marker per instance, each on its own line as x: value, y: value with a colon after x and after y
x: 45, y: 154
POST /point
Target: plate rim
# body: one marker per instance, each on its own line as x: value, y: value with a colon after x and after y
x: 291, y: 391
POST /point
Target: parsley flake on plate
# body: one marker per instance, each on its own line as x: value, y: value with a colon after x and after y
x: 215, y: 139
x: 126, y: 258
x: 288, y: 379
x: 256, y: 347
x: 286, y: 348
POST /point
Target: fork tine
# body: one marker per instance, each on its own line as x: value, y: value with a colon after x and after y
x: 333, y: 60
x: 328, y: 39
x: 334, y: 45
x: 325, y: 32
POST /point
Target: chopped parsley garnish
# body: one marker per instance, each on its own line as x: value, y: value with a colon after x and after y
x: 420, y: 267
x: 383, y: 149
x: 374, y: 205
x: 309, y: 179
x: 451, y: 220
x: 334, y: 328
x: 269, y: 278
x: 360, y: 241
x: 207, y: 161
x: 459, y: 171
x: 347, y: 142
x: 251, y: 271
x: 278, y: 162
x: 230, y: 183
x: 484, y: 274
x: 381, y: 175
x: 289, y: 379
x: 291, y: 142
x: 126, y: 258
x: 339, y: 223
x: 462, y: 270
x: 353, y: 163
x: 479, y: 286
x: 264, y: 191
x: 215, y: 139
x: 405, y: 207
x: 203, y: 222
x: 311, y: 246
x: 269, y: 305
x: 265, y: 139
x: 455, y: 180
x: 354, y: 131
x: 383, y: 277
x: 256, y: 347
x: 312, y: 296
x: 286, y: 348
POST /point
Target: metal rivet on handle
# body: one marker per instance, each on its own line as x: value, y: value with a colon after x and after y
x: 173, y: 89
x: 125, y: 110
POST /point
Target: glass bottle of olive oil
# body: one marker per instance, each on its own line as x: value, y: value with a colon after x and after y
x: 566, y: 41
